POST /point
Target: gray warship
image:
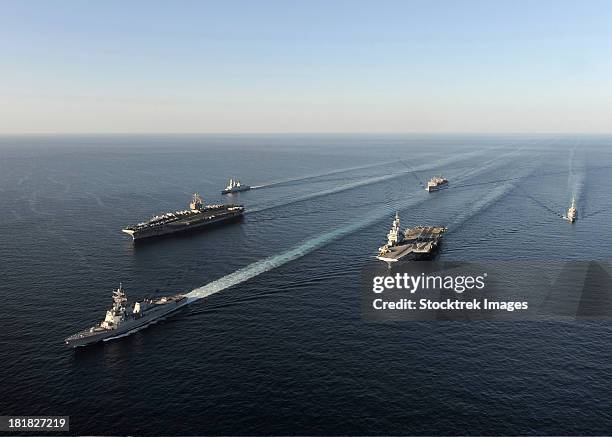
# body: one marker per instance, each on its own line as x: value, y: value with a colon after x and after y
x: 420, y: 242
x: 197, y: 216
x: 571, y: 212
x: 122, y: 320
x: 234, y: 186
x: 436, y: 183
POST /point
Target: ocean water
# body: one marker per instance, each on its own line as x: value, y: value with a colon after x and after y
x: 274, y: 342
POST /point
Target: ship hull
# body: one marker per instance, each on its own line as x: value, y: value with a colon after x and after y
x: 126, y: 328
x: 408, y: 255
x: 174, y: 228
x: 436, y: 188
x: 235, y: 190
x: 420, y: 243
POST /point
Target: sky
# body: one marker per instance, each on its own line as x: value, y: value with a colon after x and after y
x: 306, y: 66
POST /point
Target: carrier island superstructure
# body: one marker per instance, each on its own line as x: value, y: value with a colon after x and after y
x: 420, y: 242
x: 197, y: 216
x: 122, y: 320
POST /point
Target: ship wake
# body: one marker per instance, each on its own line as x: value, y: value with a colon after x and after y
x: 495, y: 195
x: 575, y: 179
x: 319, y: 175
x: 368, y: 181
x: 294, y: 253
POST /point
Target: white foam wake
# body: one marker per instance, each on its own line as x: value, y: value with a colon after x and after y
x: 369, y: 181
x: 465, y: 175
x: 296, y: 252
x: 493, y: 196
x: 575, y: 179
x: 318, y: 175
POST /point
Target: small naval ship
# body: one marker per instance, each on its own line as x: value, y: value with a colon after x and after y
x: 197, y: 216
x: 571, y: 212
x: 420, y: 242
x: 436, y: 183
x: 122, y: 320
x: 234, y: 186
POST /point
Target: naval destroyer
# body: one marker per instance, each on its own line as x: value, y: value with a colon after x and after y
x: 234, y: 186
x: 436, y: 183
x: 420, y: 242
x: 197, y: 216
x: 571, y: 212
x: 122, y: 320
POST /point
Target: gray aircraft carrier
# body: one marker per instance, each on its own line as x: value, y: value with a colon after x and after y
x: 420, y: 242
x: 197, y: 216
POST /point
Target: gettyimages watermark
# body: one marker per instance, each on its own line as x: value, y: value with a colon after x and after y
x: 432, y: 290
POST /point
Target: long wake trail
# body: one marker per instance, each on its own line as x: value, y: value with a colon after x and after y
x: 575, y: 179
x: 294, y: 253
x: 368, y: 181
x: 493, y: 196
x: 320, y: 175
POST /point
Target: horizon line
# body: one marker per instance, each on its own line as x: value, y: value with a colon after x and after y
x: 307, y: 133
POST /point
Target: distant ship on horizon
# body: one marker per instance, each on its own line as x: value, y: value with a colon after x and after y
x: 234, y: 186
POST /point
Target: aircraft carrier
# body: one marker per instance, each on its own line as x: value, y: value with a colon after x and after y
x: 420, y: 242
x: 122, y: 320
x: 197, y: 216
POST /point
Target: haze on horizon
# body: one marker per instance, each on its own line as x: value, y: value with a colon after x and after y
x: 305, y: 66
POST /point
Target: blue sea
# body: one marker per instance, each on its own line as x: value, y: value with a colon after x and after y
x: 275, y: 342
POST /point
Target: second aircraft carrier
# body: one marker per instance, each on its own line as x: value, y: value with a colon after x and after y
x: 197, y: 216
x: 420, y: 242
